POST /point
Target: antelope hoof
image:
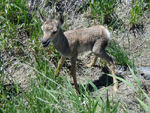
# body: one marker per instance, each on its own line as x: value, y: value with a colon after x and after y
x: 89, y: 65
x: 115, y: 88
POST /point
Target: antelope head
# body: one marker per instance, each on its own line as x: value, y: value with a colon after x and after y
x: 50, y: 28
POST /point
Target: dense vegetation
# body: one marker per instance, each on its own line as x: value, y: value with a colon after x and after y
x: 20, y: 37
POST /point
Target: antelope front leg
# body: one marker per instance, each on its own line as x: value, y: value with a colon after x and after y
x: 60, y: 64
x: 73, y: 72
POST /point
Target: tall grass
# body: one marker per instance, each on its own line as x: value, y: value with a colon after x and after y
x: 15, y: 18
x: 102, y: 9
x: 138, y: 90
x: 147, y: 4
x: 119, y: 54
x: 137, y: 12
x: 47, y: 93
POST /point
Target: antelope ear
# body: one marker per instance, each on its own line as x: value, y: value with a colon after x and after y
x: 61, y: 18
x: 43, y: 18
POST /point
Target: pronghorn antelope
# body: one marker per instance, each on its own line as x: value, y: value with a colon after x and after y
x: 72, y: 42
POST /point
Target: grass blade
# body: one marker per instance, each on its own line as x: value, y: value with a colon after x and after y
x: 126, y: 82
x: 145, y: 107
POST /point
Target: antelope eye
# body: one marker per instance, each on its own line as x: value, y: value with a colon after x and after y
x: 48, y: 28
x: 54, y: 32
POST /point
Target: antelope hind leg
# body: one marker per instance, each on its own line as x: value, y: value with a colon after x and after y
x: 102, y: 54
x: 109, y: 61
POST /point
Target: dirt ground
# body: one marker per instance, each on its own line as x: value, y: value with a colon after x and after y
x: 136, y: 41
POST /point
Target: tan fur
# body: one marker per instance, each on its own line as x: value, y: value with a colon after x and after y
x: 73, y: 42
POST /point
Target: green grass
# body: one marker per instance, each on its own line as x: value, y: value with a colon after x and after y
x: 50, y: 94
x: 137, y: 12
x: 47, y: 93
x: 102, y: 9
x: 119, y: 54
x: 56, y: 95
x: 139, y: 91
x: 15, y: 18
x: 147, y: 4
